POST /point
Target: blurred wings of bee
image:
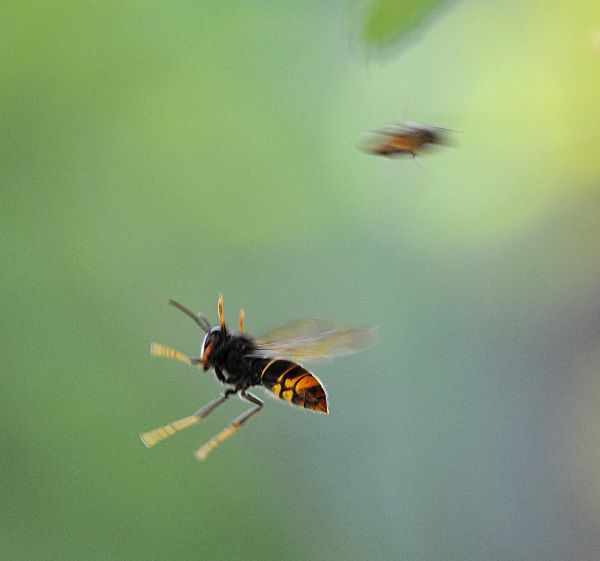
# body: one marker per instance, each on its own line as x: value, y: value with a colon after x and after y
x: 314, y: 340
x: 408, y: 139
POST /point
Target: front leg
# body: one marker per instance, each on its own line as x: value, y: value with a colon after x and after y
x: 220, y: 375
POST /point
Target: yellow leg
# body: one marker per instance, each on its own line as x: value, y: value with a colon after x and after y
x: 207, y: 448
x: 158, y: 435
x: 156, y: 349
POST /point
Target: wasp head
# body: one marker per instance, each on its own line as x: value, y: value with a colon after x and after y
x: 428, y: 136
x: 212, y: 347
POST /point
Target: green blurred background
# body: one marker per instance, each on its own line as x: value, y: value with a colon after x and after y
x: 156, y: 150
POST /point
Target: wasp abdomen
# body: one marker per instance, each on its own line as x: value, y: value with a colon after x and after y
x: 290, y: 381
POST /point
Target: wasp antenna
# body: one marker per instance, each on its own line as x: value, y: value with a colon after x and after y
x: 406, y: 108
x: 200, y: 319
x: 242, y: 316
x: 221, y: 317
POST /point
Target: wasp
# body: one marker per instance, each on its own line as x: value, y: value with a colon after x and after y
x: 410, y: 139
x: 272, y: 361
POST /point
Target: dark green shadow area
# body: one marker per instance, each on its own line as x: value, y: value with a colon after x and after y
x: 388, y: 23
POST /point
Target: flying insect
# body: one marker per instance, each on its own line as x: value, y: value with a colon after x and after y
x: 407, y: 139
x: 271, y: 361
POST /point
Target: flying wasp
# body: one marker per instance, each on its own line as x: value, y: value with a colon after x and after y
x: 271, y: 361
x: 410, y: 139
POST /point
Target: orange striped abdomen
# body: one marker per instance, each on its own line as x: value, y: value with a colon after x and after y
x: 290, y: 381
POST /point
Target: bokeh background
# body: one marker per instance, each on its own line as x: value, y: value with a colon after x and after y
x: 156, y: 150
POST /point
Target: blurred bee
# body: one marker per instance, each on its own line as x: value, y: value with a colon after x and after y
x: 410, y: 138
x: 242, y: 362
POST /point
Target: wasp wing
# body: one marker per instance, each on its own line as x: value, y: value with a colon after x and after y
x: 397, y: 130
x: 321, y: 345
x: 297, y: 329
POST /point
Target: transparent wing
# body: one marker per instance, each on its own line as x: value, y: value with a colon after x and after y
x: 397, y: 130
x: 315, y: 346
x: 297, y: 329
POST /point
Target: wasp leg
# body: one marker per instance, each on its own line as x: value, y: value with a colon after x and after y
x: 231, y: 429
x: 158, y: 435
x: 156, y: 349
x: 200, y: 318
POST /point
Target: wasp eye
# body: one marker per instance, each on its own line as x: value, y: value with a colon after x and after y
x: 208, y: 351
x: 203, y: 346
x: 212, y: 339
